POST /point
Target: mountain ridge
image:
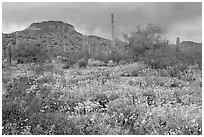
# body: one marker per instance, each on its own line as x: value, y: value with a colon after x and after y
x: 188, y: 46
x: 58, y: 33
x: 48, y: 27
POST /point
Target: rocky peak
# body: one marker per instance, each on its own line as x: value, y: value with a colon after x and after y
x: 51, y: 26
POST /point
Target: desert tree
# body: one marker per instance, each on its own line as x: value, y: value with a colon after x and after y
x: 144, y: 38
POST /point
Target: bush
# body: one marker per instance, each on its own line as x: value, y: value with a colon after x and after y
x: 29, y: 103
x: 68, y: 64
x: 194, y: 57
x: 71, y: 58
x: 82, y: 63
x: 166, y: 59
x: 135, y: 73
x: 30, y: 52
x: 198, y: 58
x: 115, y: 56
x: 51, y: 124
x: 159, y: 58
x: 11, y: 112
x: 142, y: 39
x: 42, y: 68
x: 110, y: 63
x: 92, y: 62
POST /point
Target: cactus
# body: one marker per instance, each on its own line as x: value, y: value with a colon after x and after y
x: 177, y: 46
x: 177, y: 41
x: 9, y: 53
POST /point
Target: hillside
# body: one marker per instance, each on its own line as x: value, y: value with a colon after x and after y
x: 189, y: 46
x: 46, y: 92
x: 57, y: 34
x: 63, y: 35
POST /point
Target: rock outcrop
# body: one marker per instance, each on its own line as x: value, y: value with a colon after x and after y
x: 48, y: 27
x: 189, y: 46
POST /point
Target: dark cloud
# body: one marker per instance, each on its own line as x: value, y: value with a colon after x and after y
x: 94, y: 18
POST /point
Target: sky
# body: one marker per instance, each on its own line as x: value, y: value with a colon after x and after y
x: 183, y: 19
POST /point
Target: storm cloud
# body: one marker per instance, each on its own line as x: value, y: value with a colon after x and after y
x: 178, y: 19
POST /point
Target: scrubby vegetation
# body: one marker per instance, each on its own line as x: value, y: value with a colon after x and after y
x: 28, y: 52
x: 149, y: 89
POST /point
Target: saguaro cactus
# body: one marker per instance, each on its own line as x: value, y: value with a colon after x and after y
x: 177, y: 46
x: 9, y: 53
x: 86, y: 46
x: 113, y: 33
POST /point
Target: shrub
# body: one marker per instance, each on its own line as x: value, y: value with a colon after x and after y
x: 113, y: 96
x: 51, y: 124
x: 92, y: 62
x: 134, y: 69
x: 135, y: 72
x: 30, y: 52
x: 142, y: 39
x: 42, y: 68
x: 101, y: 57
x: 198, y: 58
x: 115, y: 56
x: 27, y: 98
x: 159, y: 58
x: 110, y: 63
x: 68, y: 65
x: 82, y: 63
x: 174, y: 83
x: 75, y: 57
x: 11, y: 112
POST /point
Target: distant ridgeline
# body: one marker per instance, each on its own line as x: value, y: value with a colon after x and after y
x: 63, y: 35
x: 57, y: 34
x: 188, y: 46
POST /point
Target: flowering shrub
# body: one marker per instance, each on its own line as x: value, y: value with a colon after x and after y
x: 47, y: 100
